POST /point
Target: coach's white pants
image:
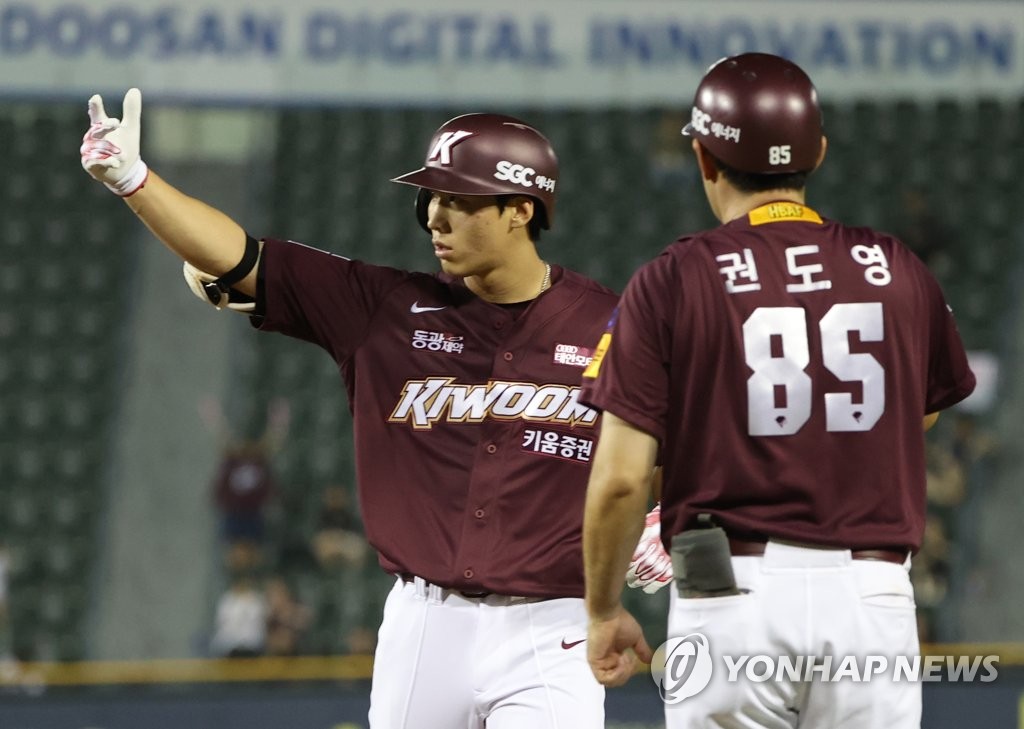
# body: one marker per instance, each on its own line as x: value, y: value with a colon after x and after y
x: 444, y: 661
x: 803, y: 602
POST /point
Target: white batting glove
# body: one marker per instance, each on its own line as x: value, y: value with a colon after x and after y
x: 110, y: 149
x: 650, y: 569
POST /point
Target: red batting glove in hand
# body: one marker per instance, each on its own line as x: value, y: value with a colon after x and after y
x: 110, y: 149
x: 650, y: 569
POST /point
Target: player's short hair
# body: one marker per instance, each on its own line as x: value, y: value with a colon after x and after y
x: 750, y: 182
x: 534, y: 227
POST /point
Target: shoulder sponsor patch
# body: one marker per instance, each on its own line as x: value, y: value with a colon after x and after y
x: 594, y: 367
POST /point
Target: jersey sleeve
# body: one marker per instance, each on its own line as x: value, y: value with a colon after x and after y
x: 950, y: 379
x: 319, y: 297
x: 629, y: 375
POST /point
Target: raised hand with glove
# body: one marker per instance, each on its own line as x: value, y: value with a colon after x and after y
x: 208, y: 240
x: 110, y: 148
x: 650, y: 568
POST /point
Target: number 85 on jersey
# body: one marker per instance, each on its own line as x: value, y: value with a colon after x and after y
x: 779, y: 392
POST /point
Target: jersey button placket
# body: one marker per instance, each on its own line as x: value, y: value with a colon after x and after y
x: 508, y: 356
x: 491, y: 448
x: 468, y: 574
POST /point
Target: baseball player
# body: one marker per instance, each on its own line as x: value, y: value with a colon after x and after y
x: 781, y: 364
x: 472, y: 451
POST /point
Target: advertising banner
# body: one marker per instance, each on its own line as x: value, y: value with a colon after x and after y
x: 544, y: 52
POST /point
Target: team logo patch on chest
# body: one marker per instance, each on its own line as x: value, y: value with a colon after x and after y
x: 423, y: 403
x: 573, y: 355
x: 437, y: 341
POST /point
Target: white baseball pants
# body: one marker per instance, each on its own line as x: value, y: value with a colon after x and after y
x: 445, y: 661
x: 803, y: 602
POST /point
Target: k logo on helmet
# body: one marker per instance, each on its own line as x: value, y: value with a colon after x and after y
x: 682, y: 667
x: 442, y: 149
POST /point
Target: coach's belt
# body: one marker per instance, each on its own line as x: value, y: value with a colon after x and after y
x: 407, y: 578
x: 744, y: 548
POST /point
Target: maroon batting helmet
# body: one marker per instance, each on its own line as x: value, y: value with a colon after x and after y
x: 488, y: 154
x: 758, y: 113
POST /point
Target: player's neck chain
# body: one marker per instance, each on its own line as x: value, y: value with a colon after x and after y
x: 546, y: 283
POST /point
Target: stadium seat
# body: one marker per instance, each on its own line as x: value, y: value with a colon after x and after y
x: 60, y: 321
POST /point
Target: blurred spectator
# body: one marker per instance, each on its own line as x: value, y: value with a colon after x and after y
x: 5, y: 628
x: 293, y: 534
x: 945, y: 478
x: 977, y: 450
x: 244, y: 483
x: 926, y: 234
x: 343, y: 593
x: 971, y: 444
x: 348, y: 607
x: 958, y: 456
x: 287, y: 619
x: 338, y: 541
x: 671, y: 161
x: 362, y: 640
x: 241, y: 623
x: 930, y: 574
x: 930, y: 577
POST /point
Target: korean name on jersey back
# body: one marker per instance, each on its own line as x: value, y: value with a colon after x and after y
x: 440, y: 399
x: 739, y: 269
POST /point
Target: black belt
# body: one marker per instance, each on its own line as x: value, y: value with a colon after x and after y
x: 744, y: 548
x: 407, y: 578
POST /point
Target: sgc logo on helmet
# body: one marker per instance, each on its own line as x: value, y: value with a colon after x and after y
x: 516, y: 174
x: 521, y: 175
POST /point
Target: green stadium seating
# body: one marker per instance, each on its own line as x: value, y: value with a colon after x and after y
x: 627, y: 189
x: 65, y: 242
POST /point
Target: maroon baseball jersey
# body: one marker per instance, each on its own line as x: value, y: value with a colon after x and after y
x: 472, y: 451
x: 784, y: 363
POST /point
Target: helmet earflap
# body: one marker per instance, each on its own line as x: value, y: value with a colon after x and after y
x: 422, y: 204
